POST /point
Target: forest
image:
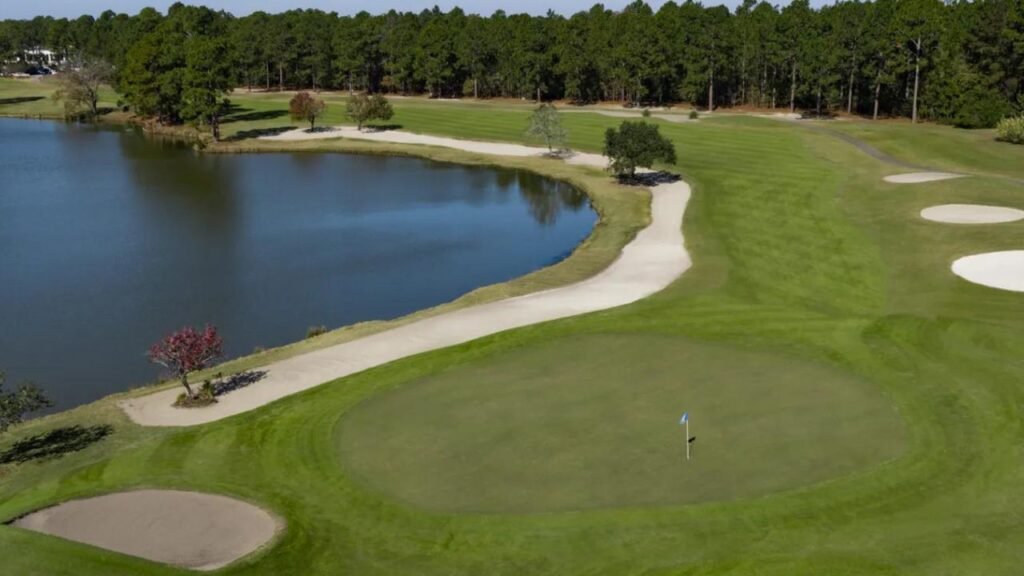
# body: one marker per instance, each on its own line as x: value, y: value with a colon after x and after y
x: 960, y: 62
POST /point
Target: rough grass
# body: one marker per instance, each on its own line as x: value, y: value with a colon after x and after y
x: 802, y: 255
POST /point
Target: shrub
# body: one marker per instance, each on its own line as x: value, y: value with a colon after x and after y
x: 204, y: 397
x: 646, y: 113
x: 980, y: 108
x: 1011, y: 130
x: 694, y: 115
x: 314, y: 331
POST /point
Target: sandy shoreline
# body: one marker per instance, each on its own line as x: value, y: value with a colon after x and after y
x: 648, y: 264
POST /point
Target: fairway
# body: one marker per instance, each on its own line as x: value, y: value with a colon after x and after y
x: 857, y: 406
x: 593, y: 422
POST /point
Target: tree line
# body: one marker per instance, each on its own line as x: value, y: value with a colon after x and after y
x: 960, y: 62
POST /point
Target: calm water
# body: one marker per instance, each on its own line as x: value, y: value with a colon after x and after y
x: 108, y: 240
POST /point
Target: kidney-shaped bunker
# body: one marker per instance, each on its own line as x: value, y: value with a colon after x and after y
x: 186, y: 529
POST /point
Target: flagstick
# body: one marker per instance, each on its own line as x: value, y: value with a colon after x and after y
x: 687, y: 438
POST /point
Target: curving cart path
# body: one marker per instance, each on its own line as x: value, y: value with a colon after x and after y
x: 649, y: 263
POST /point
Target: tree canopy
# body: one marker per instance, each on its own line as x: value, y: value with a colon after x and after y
x: 362, y: 108
x: 546, y: 124
x: 307, y: 108
x: 957, y: 62
x: 16, y: 404
x: 636, y: 145
x: 187, y: 350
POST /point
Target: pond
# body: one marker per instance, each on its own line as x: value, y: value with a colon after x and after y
x: 110, y: 239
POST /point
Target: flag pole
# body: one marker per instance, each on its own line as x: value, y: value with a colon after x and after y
x: 687, y: 438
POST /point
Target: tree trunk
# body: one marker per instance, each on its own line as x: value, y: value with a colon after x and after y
x: 711, y: 87
x: 280, y: 78
x: 268, y: 76
x: 476, y: 93
x: 792, y: 88
x: 878, y: 91
x: 743, y: 82
x: 188, y: 388
x: 538, y: 94
x: 917, y: 78
x: 215, y: 125
x: 817, y: 105
x: 849, y: 91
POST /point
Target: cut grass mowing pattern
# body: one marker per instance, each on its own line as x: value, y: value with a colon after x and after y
x: 589, y: 422
x: 801, y: 255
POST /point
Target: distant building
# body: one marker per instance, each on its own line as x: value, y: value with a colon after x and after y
x: 43, y: 56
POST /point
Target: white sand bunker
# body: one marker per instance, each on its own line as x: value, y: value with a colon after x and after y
x: 971, y: 214
x: 186, y: 529
x: 919, y: 177
x: 1003, y: 270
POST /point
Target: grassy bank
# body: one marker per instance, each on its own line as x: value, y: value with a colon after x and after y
x: 857, y: 407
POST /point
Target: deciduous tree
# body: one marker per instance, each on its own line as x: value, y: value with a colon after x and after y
x: 16, y: 404
x: 187, y: 350
x: 636, y: 145
x: 80, y: 86
x: 306, y: 108
x: 362, y: 108
x: 546, y: 124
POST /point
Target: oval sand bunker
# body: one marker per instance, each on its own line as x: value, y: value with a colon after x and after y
x: 1003, y: 270
x: 919, y: 177
x: 971, y: 214
x: 187, y: 529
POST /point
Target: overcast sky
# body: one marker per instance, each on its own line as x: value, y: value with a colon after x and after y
x: 75, y: 8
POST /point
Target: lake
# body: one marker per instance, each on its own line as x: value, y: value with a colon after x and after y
x: 110, y: 239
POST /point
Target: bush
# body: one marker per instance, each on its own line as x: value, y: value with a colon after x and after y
x: 694, y: 115
x: 204, y: 397
x: 981, y: 108
x: 1011, y: 130
x: 314, y: 331
x: 646, y: 113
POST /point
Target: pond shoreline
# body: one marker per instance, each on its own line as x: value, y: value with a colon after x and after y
x: 619, y: 216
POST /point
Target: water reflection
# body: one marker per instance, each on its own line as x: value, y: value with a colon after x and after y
x: 109, y: 239
x: 547, y: 198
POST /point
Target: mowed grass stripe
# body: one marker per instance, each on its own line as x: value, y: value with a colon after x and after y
x: 946, y: 362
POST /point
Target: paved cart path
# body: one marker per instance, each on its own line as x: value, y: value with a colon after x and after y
x: 649, y: 263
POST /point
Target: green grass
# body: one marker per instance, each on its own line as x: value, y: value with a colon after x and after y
x: 942, y: 147
x: 34, y: 98
x: 806, y: 265
x: 529, y: 430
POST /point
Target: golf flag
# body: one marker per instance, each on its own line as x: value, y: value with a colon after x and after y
x: 685, y: 418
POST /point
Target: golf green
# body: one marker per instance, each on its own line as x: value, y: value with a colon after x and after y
x: 592, y: 421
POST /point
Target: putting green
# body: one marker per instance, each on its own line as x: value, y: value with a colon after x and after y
x: 592, y: 422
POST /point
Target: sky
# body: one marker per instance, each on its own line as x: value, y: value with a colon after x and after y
x: 73, y: 8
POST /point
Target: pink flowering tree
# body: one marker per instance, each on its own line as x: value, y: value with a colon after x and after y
x: 187, y: 350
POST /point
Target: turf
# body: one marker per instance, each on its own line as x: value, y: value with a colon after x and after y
x: 804, y: 259
x: 587, y: 422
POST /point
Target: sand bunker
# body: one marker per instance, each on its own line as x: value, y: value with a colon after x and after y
x: 919, y: 177
x: 1002, y: 270
x: 186, y: 529
x: 971, y: 214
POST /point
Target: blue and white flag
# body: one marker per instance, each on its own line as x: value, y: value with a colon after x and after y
x: 685, y: 418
